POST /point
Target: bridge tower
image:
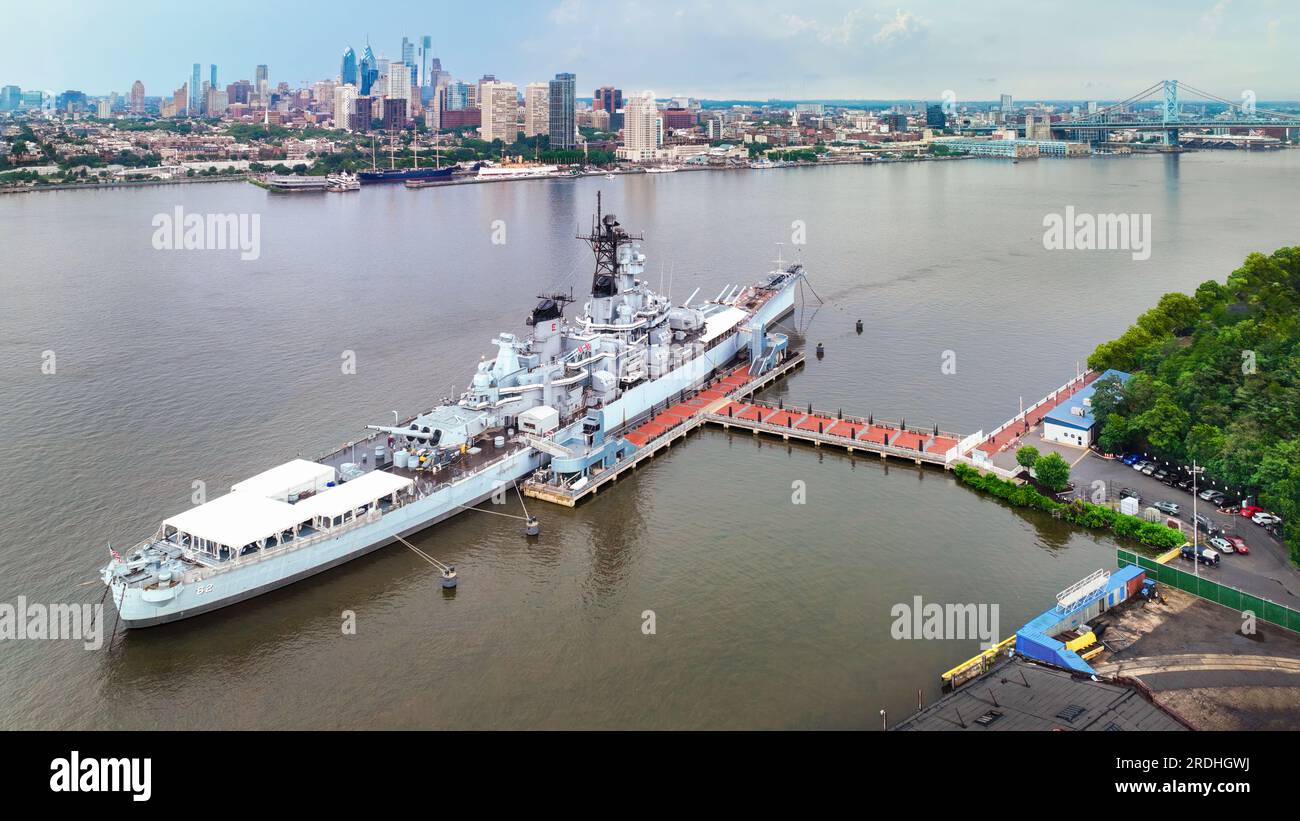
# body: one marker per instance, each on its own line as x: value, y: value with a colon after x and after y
x: 1169, y: 112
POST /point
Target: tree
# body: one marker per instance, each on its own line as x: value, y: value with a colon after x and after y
x: 1027, y: 456
x: 1052, y: 471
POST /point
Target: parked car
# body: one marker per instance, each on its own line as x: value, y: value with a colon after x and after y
x: 1138, y: 466
x: 1238, y: 544
x: 1206, y: 525
x: 1168, y: 508
x: 1221, y: 544
x: 1251, y: 510
x: 1127, y: 492
x: 1202, y: 554
x: 1184, y: 484
x: 1161, y: 474
x: 1207, y: 493
x: 1130, y: 459
x: 1265, y: 519
x: 1218, y: 498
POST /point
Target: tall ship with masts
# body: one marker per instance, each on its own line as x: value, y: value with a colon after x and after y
x: 559, y: 397
x: 395, y: 174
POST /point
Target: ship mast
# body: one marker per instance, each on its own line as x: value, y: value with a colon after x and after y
x: 605, y: 238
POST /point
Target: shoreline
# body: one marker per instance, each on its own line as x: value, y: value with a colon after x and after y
x: 123, y: 184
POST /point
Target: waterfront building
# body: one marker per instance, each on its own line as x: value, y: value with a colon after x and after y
x: 563, y: 112
x: 537, y: 109
x: 196, y: 88
x: 1071, y: 422
x: 344, y: 97
x: 348, y: 69
x: 641, y: 128
x: 137, y: 98
x: 500, y: 111
x: 1010, y: 149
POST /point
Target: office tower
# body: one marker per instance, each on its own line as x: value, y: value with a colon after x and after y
x: 641, y: 127
x: 180, y: 100
x: 212, y: 75
x: 607, y: 98
x: 348, y: 70
x: 935, y: 118
x: 1092, y: 107
x: 195, y: 89
x: 240, y: 91
x: 457, y: 97
x: 408, y: 52
x: 425, y: 77
x: 399, y: 87
x: 10, y: 98
x: 214, y: 102
x: 537, y: 109
x: 433, y: 111
x: 261, y: 83
x: 104, y: 108
x: 1006, y: 106
x: 137, y: 97
x: 563, y: 117
x: 369, y: 70
x: 500, y: 104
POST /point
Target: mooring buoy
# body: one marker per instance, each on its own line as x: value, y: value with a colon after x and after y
x: 532, y: 527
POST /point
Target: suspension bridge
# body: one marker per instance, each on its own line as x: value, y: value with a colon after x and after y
x: 1167, y: 107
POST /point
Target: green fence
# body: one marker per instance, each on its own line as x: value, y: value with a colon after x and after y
x: 1264, y: 610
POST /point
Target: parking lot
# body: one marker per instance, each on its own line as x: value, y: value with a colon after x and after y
x: 1266, y: 571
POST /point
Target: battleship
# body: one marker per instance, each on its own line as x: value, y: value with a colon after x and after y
x: 557, y: 399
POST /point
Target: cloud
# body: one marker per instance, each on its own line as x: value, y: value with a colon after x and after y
x: 1214, y: 16
x: 1270, y: 29
x: 568, y: 12
x: 903, y: 26
x: 841, y: 33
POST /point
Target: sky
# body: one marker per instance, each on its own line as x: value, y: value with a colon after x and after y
x: 716, y: 49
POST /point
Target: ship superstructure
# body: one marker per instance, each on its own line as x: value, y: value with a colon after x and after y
x: 628, y: 351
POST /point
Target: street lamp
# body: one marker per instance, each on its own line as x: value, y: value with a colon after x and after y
x: 1196, y: 552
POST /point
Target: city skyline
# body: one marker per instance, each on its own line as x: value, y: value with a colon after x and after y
x: 823, y: 50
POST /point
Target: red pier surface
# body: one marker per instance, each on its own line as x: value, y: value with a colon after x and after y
x: 1035, y: 417
x: 669, y: 418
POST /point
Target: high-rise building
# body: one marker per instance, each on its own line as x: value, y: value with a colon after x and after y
x: 641, y: 128
x: 425, y: 77
x: 196, y: 88
x: 433, y: 111
x: 181, y: 101
x: 607, y: 98
x: 935, y: 117
x: 399, y: 87
x: 537, y: 109
x: 262, y: 84
x: 1006, y: 106
x: 500, y: 103
x: 457, y: 97
x: 212, y: 75
x: 348, y: 69
x: 363, y: 114
x: 369, y: 70
x: 10, y: 98
x: 214, y: 102
x: 137, y: 98
x: 408, y: 52
x: 395, y: 113
x: 564, y: 114
x: 343, y: 98
x: 240, y: 91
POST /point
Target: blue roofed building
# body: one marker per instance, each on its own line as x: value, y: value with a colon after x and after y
x: 1072, y: 421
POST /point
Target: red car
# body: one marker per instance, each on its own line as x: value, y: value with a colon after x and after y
x: 1238, y: 544
x: 1251, y: 510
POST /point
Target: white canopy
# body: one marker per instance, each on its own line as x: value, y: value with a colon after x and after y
x: 717, y: 324
x: 237, y: 519
x: 364, y: 489
x: 291, y: 477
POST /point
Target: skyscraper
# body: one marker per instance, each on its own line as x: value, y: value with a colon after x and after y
x: 500, y: 103
x: 563, y: 112
x: 196, y: 85
x: 262, y: 84
x: 408, y: 52
x: 212, y: 75
x: 641, y: 128
x: 348, y: 71
x: 607, y: 98
x: 537, y: 109
x: 426, y: 56
x: 399, y: 87
x: 1006, y: 106
x: 369, y: 70
x: 137, y: 97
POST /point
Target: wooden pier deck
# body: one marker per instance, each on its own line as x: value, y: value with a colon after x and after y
x: 666, y: 427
